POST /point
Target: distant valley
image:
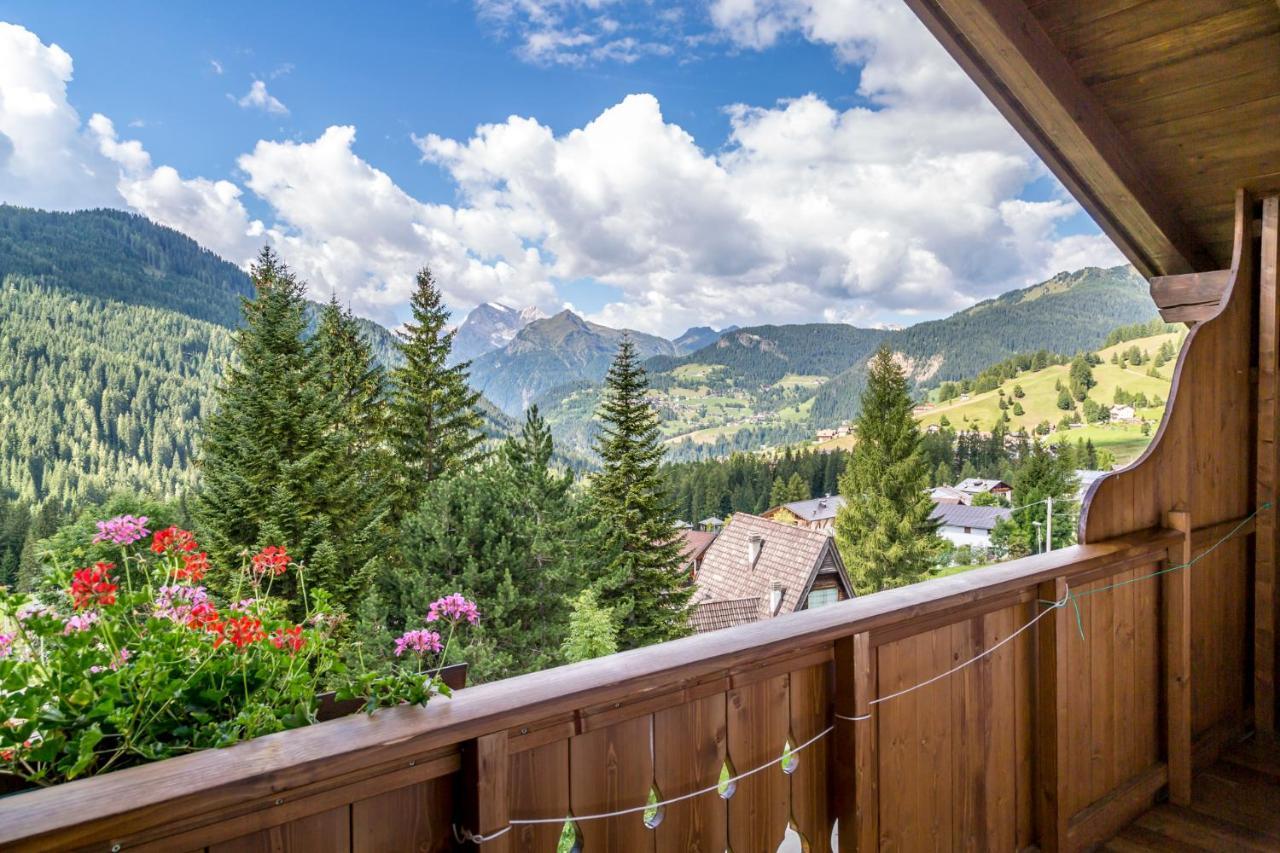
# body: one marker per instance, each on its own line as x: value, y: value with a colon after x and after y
x: 145, y: 317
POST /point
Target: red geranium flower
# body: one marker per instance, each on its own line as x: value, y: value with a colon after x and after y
x: 272, y: 559
x: 240, y: 632
x: 290, y: 639
x: 193, y: 566
x: 93, y: 586
x: 204, y: 617
x: 173, y: 539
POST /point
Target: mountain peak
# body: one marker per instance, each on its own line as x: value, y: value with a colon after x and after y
x: 490, y: 326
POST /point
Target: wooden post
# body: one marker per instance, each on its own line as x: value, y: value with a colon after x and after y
x: 1175, y: 590
x: 1264, y: 598
x: 866, y: 815
x: 845, y: 750
x: 856, y: 801
x: 1051, y: 720
x: 483, y: 794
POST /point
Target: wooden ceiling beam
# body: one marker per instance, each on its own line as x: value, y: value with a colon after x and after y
x: 1006, y: 51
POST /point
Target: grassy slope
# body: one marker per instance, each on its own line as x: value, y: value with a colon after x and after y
x: 1041, y: 402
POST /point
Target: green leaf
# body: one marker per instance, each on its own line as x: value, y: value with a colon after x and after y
x: 89, y: 740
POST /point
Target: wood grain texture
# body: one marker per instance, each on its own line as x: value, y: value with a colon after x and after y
x: 612, y: 769
x: 326, y: 832
x: 1052, y: 738
x: 1267, y: 543
x: 810, y: 781
x: 1188, y: 467
x: 1176, y: 596
x: 758, y: 725
x: 690, y: 747
x: 538, y: 786
x: 416, y: 818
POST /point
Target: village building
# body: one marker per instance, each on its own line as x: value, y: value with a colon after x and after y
x: 968, y: 525
x: 693, y: 547
x: 1122, y: 413
x: 757, y: 569
x: 813, y: 514
x: 975, y: 486
x: 711, y: 524
x: 949, y: 495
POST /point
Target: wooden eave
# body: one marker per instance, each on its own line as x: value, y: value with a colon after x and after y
x: 1151, y: 112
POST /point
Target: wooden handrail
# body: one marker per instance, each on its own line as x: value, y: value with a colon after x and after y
x: 249, y: 773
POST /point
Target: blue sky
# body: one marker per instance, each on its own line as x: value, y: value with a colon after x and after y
x: 694, y: 225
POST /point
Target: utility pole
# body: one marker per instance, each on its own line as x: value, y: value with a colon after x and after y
x: 1048, y: 524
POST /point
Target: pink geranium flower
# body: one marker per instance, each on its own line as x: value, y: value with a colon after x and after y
x: 420, y: 642
x: 122, y: 530
x: 454, y: 607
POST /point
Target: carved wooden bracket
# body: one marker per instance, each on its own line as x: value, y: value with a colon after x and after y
x: 1191, y: 297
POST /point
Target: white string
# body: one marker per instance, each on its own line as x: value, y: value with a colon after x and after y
x: 465, y: 835
x: 904, y: 691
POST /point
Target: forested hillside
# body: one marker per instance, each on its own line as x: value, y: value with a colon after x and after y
x: 97, y: 396
x: 111, y: 254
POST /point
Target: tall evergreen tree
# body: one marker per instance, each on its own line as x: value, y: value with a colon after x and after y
x: 884, y: 530
x: 1041, y: 475
x: 797, y: 488
x: 434, y: 427
x: 352, y: 493
x: 277, y: 463
x: 640, y: 577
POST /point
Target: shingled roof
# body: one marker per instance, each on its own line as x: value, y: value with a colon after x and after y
x: 814, y: 509
x: 714, y: 615
x: 789, y: 555
x: 975, y: 517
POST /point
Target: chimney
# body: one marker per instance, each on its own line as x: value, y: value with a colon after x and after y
x: 755, y: 544
x: 775, y: 598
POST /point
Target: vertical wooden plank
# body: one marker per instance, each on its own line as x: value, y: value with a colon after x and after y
x: 809, y: 781
x: 326, y: 832
x: 999, y: 724
x: 612, y: 769
x: 1264, y: 601
x: 1124, y: 761
x: 1052, y: 637
x: 1147, y: 691
x: 483, y: 781
x: 844, y: 749
x: 1102, y: 679
x: 538, y: 789
x: 864, y: 831
x: 417, y: 817
x: 689, y: 746
x: 757, y: 724
x: 1176, y: 591
x: 1024, y: 653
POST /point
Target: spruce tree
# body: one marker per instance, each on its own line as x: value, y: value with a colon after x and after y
x: 258, y: 445
x: 640, y: 569
x: 797, y: 488
x: 884, y: 530
x: 286, y: 459
x: 778, y: 493
x: 352, y: 492
x: 434, y: 427
x: 1041, y: 475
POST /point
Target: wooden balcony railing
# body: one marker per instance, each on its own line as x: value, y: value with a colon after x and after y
x: 1056, y: 738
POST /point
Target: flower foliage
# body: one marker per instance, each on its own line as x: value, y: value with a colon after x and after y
x: 132, y: 661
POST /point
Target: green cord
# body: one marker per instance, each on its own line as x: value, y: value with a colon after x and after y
x: 1076, y: 596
